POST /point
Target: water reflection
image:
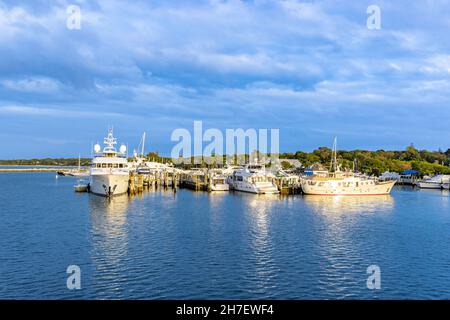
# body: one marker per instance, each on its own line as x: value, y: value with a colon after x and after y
x: 338, y: 205
x: 217, y: 199
x: 109, y: 241
x: 259, y: 212
x: 337, y: 245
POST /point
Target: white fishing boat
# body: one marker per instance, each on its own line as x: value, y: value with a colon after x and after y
x: 253, y: 178
x: 109, y: 171
x: 339, y: 183
x: 436, y: 182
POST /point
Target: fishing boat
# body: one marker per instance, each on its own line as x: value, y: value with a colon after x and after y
x: 339, y: 183
x: 109, y: 170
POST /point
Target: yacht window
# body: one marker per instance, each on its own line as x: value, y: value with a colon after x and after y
x: 103, y: 165
x: 121, y: 165
x: 109, y: 165
x: 116, y: 165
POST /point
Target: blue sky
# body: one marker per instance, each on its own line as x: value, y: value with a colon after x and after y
x: 310, y: 68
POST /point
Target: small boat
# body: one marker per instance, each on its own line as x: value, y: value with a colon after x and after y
x: 217, y: 181
x: 436, y: 182
x: 81, y: 186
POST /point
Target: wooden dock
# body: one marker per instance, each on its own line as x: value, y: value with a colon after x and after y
x: 139, y: 182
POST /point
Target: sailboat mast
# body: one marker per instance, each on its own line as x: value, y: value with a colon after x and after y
x: 335, y: 154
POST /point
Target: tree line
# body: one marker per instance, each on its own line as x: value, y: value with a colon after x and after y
x: 377, y: 162
x: 371, y: 162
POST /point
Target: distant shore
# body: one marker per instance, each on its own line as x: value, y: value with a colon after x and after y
x: 33, y: 170
x: 36, y: 168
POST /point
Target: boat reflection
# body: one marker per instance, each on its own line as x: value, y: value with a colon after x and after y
x: 260, y: 210
x: 349, y: 204
x: 109, y: 240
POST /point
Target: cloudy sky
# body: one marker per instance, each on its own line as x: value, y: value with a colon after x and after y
x: 310, y: 68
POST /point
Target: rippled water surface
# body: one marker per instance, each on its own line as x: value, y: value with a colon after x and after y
x: 191, y: 245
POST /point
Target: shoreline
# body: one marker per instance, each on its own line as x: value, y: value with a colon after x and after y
x: 33, y: 170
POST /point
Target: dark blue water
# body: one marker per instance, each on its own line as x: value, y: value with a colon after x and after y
x: 219, y: 246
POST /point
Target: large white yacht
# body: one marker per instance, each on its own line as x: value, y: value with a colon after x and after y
x: 253, y: 178
x: 109, y: 170
x: 339, y: 183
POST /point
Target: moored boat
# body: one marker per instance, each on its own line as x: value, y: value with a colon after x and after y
x: 436, y: 182
x: 339, y: 183
x: 81, y: 186
x: 253, y: 178
x: 109, y: 171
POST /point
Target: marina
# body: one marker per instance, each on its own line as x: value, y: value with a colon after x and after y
x: 209, y: 245
x: 146, y: 229
x: 112, y: 173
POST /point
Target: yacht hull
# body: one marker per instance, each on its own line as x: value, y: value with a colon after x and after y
x: 252, y: 188
x: 383, y: 188
x: 220, y: 187
x: 430, y: 185
x: 108, y: 185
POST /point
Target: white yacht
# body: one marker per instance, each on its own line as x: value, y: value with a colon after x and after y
x: 436, y: 182
x: 253, y: 178
x: 339, y: 183
x: 217, y: 180
x: 109, y: 170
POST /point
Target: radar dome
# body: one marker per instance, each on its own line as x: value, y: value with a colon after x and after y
x: 123, y: 148
x: 97, y: 148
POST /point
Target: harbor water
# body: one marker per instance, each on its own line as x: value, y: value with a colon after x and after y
x: 199, y: 245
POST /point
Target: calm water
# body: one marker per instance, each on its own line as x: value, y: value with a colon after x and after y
x: 211, y: 246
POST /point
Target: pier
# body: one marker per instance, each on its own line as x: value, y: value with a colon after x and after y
x: 152, y: 181
x: 196, y: 180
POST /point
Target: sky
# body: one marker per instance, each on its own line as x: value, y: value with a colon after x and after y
x: 312, y: 69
